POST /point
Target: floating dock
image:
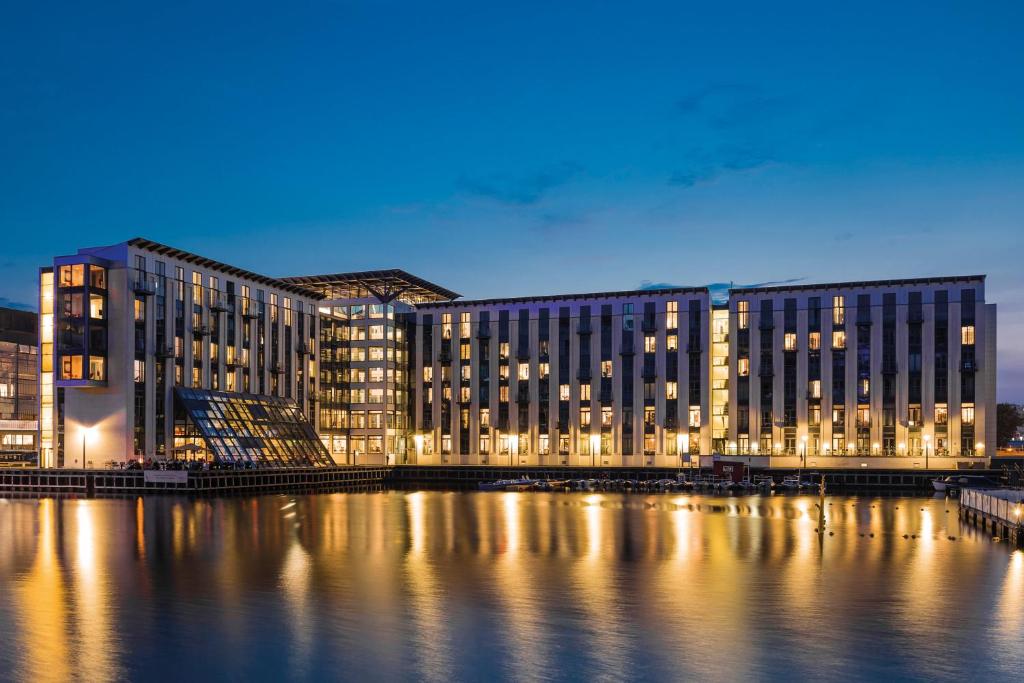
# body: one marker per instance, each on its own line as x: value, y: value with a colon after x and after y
x: 1000, y: 512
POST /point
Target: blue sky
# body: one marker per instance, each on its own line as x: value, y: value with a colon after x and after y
x: 527, y: 147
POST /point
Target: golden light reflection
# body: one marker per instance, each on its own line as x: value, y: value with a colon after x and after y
x: 96, y: 648
x: 43, y: 611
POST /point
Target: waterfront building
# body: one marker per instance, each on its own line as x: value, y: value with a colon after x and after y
x: 615, y: 378
x: 19, y: 398
x: 893, y: 368
x: 366, y: 321
x: 147, y: 348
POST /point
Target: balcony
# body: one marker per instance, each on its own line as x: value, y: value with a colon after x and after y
x: 165, y: 353
x: 445, y: 356
x: 202, y: 331
x: 584, y: 375
x: 219, y: 302
x: 968, y: 365
x: 144, y: 285
x: 627, y: 348
x: 583, y: 327
x: 606, y: 397
x: 523, y: 352
x: 251, y: 311
x: 483, y: 332
x: 648, y: 325
x: 649, y: 372
x: 304, y: 349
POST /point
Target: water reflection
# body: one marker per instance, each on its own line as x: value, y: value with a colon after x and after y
x: 444, y: 586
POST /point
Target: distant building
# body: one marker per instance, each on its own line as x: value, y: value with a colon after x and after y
x: 19, y: 398
x: 154, y: 345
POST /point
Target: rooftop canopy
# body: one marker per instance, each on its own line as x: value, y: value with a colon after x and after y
x: 384, y: 285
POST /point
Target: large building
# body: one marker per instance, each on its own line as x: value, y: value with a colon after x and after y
x: 153, y: 352
x: 19, y: 398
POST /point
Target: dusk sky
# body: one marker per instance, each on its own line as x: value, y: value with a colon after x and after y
x: 527, y: 149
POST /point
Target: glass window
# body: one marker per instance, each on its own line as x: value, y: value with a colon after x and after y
x: 563, y: 392
x: 743, y: 314
x: 743, y: 367
x: 650, y: 343
x: 672, y: 315
x: 814, y: 341
x: 790, y: 341
x: 671, y: 390
x: 524, y: 371
x: 606, y: 368
x: 838, y: 310
x: 967, y: 414
x: 967, y: 335
x: 839, y: 339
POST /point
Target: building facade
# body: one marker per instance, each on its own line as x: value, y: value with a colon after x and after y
x: 615, y: 378
x: 146, y: 350
x: 898, y: 368
x: 125, y: 327
x: 19, y: 393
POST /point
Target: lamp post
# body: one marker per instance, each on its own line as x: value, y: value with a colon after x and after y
x: 927, y: 438
x: 803, y: 444
x: 595, y: 445
x: 87, y: 435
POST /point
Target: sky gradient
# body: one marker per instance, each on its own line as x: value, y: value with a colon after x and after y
x: 526, y: 149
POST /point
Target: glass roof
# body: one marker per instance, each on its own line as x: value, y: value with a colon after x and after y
x: 266, y: 431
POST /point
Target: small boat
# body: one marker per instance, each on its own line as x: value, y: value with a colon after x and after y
x: 957, y: 482
x: 507, y: 484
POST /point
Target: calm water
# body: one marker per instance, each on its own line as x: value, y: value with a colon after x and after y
x: 520, y: 586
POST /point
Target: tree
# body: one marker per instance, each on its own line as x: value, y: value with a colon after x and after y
x: 1009, y: 418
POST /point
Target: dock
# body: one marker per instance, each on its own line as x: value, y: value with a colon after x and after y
x: 108, y: 483
x: 1000, y: 512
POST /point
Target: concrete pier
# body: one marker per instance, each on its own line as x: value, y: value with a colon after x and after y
x: 999, y: 512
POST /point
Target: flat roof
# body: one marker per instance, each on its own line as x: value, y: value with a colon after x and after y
x: 384, y: 284
x: 863, y: 283
x: 568, y: 297
x: 189, y: 257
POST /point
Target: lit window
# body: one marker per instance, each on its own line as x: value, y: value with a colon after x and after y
x: 839, y: 339
x: 503, y: 393
x: 544, y: 444
x: 606, y: 368
x: 606, y: 416
x: 743, y: 314
x: 464, y: 325
x: 967, y: 335
x: 838, y: 310
x: 671, y: 390
x: 584, y: 392
x: 650, y: 343
x: 140, y: 370
x: 485, y: 417
x: 694, y: 417
x: 649, y: 415
x: 524, y: 372
x: 941, y: 414
x: 743, y: 367
x: 563, y: 392
x: 585, y: 417
x: 446, y: 325
x: 814, y: 341
x: 815, y: 388
x: 543, y: 370
x: 503, y: 350
x: 814, y: 415
x: 466, y: 372
x: 376, y: 332
x: 967, y: 414
x: 790, y: 341
x: 672, y: 315
x: 672, y: 342
x: 464, y: 395
x: 485, y: 444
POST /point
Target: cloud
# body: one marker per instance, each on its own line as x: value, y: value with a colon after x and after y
x: 8, y: 303
x: 705, y: 166
x: 734, y: 127
x: 522, y: 190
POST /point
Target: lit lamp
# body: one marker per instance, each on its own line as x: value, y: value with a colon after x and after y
x: 979, y: 448
x: 679, y: 447
x: 88, y: 436
x: 803, y: 444
x: 876, y: 447
x: 513, y: 446
x: 927, y: 439
x: 595, y: 445
x: 417, y: 440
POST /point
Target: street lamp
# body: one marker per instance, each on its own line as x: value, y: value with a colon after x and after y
x: 927, y: 439
x: 595, y: 445
x: 803, y: 440
x: 88, y: 434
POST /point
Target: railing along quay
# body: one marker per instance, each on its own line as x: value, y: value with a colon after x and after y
x: 89, y: 483
x: 1000, y: 512
x: 468, y: 476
